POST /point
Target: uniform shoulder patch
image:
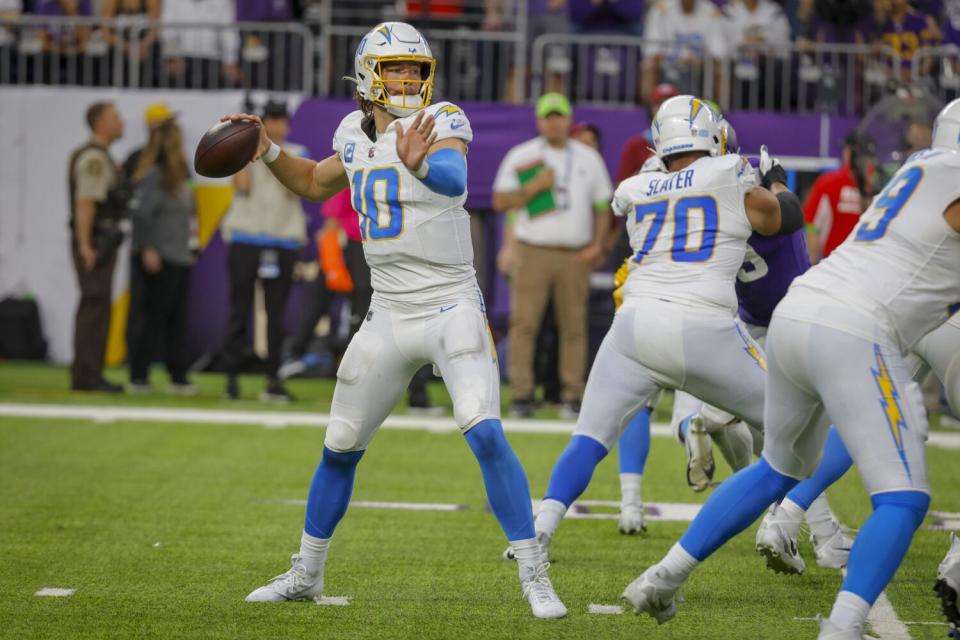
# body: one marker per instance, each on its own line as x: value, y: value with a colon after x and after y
x: 448, y: 110
x: 94, y: 167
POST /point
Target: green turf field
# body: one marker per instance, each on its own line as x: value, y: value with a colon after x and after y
x: 163, y: 529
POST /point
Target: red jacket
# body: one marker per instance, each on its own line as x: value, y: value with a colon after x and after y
x: 833, y: 205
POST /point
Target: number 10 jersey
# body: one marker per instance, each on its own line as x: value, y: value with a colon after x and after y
x: 416, y: 241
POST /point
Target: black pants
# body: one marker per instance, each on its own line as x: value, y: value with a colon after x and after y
x: 243, y: 262
x: 318, y: 297
x: 92, y: 321
x: 158, y: 315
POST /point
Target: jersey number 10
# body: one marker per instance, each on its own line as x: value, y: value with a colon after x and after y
x: 679, y: 252
x: 375, y: 202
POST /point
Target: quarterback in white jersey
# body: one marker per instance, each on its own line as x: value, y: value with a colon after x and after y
x: 404, y: 162
x: 677, y: 325
x: 836, y: 347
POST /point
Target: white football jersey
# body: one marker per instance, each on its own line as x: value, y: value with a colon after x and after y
x: 688, y: 230
x: 901, y: 263
x: 416, y: 241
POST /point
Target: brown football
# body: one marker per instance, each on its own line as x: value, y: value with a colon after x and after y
x: 226, y: 148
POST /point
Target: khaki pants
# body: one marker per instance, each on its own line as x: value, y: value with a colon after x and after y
x: 542, y: 273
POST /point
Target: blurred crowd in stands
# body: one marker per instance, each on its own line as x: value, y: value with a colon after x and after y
x: 280, y: 44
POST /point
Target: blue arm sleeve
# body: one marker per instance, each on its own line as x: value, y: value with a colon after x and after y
x: 448, y: 172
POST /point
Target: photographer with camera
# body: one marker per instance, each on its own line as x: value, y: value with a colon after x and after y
x: 98, y: 202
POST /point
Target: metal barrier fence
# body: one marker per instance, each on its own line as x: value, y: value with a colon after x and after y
x: 138, y: 53
x: 621, y: 70
x: 312, y: 58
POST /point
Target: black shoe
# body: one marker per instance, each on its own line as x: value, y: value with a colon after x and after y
x: 522, y: 408
x: 101, y: 386
x: 232, y: 392
x: 277, y: 393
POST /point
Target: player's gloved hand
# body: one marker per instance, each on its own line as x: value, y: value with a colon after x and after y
x: 770, y: 169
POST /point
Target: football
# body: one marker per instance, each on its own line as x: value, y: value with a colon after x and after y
x: 226, y: 148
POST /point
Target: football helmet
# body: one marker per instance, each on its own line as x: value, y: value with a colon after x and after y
x: 686, y: 123
x: 946, y: 128
x: 394, y: 42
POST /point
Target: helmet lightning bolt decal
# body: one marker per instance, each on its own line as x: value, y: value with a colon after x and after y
x: 695, y: 107
x: 891, y: 405
x: 384, y: 30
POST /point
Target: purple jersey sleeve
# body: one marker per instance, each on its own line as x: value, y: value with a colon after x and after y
x: 764, y: 280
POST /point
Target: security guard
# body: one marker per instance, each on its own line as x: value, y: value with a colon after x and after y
x: 98, y: 202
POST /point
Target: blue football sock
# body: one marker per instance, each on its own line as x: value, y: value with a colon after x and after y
x: 883, y: 541
x: 634, y: 445
x: 330, y: 492
x: 835, y: 462
x: 734, y: 505
x: 574, y: 468
x: 506, y: 482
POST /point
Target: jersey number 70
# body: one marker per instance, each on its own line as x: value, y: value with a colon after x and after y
x: 377, y: 198
x: 679, y: 252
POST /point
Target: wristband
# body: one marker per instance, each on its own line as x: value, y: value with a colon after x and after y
x: 421, y: 173
x: 272, y: 153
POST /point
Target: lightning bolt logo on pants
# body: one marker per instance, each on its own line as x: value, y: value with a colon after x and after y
x: 751, y: 348
x: 889, y: 402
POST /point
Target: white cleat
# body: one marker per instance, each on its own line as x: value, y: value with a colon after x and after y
x: 538, y: 591
x: 631, y: 518
x: 651, y: 593
x: 777, y: 542
x: 833, y: 552
x: 544, y: 541
x: 948, y: 586
x: 829, y: 631
x: 295, y: 584
x: 700, y: 465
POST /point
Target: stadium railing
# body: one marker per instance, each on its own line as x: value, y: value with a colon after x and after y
x: 125, y: 53
x: 789, y: 77
x: 938, y: 70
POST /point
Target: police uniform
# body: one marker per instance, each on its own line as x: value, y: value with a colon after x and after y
x: 837, y: 340
x: 426, y: 306
x: 93, y: 175
x: 677, y: 326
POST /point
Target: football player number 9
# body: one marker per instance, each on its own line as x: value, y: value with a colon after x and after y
x: 683, y: 208
x: 889, y: 203
x: 376, y: 197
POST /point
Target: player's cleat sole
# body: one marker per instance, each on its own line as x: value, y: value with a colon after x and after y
x: 295, y: 584
x: 834, y: 552
x: 539, y: 593
x: 948, y: 586
x: 700, y: 464
x: 651, y: 594
x: 631, y: 520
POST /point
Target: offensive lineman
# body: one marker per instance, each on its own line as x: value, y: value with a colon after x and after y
x: 404, y: 161
x: 676, y: 327
x: 835, y: 347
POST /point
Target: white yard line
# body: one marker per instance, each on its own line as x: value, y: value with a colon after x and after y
x: 55, y: 592
x: 283, y: 419
x: 398, y: 506
x: 605, y: 609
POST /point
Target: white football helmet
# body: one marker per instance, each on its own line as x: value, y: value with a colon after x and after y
x: 394, y: 42
x: 946, y: 128
x: 686, y: 123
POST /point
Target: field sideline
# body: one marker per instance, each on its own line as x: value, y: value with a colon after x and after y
x: 162, y: 528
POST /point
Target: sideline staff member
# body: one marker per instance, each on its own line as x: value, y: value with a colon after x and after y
x: 98, y: 201
x: 560, y: 191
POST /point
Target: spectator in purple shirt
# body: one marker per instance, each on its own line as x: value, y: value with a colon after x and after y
x: 607, y: 16
x: 66, y: 40
x: 904, y: 30
x: 260, y: 50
